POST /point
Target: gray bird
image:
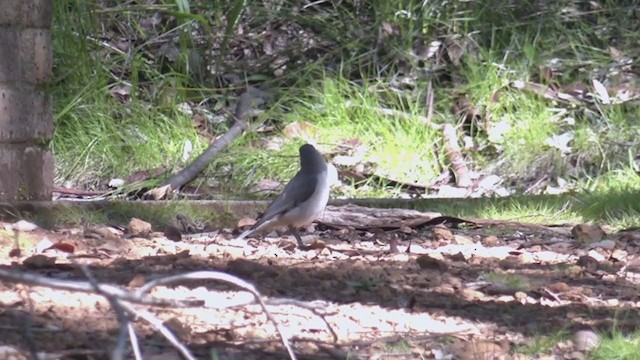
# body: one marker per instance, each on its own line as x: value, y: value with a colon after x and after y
x: 303, y: 198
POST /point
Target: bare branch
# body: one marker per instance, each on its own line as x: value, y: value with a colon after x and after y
x: 86, y: 287
x: 157, y: 323
x: 123, y: 319
x: 116, y: 296
x: 214, y: 275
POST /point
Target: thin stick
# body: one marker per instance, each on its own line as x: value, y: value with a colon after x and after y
x: 214, y: 275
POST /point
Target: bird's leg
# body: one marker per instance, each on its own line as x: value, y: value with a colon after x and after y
x: 295, y: 233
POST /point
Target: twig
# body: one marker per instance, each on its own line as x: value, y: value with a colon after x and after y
x: 310, y: 307
x: 123, y: 319
x: 430, y: 97
x: 214, y: 275
x: 28, y: 332
x: 86, y: 287
x: 134, y: 342
x: 157, y: 323
x: 110, y: 291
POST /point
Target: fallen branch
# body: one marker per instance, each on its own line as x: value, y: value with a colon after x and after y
x: 455, y: 157
x: 86, y: 287
x: 116, y: 296
x: 118, y: 352
x: 184, y: 176
x: 214, y: 275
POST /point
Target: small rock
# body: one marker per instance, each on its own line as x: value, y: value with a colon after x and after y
x: 489, y: 183
x: 559, y: 287
x: 172, y: 233
x: 179, y: 328
x: 588, y: 262
x: 490, y: 240
x: 462, y: 240
x: 316, y: 244
x: 471, y: 295
x: 604, y: 244
x: 137, y: 281
x: 24, y: 225
x: 510, y: 262
x: 619, y: 255
x: 454, y: 281
x: 586, y: 234
x: 441, y: 233
x: 246, y: 221
x: 429, y: 263
x: 476, y: 350
x: 116, y: 183
x: 528, y: 258
x: 521, y: 297
x: 586, y: 340
x: 446, y: 289
x: 573, y: 271
x: 448, y: 191
x: 596, y: 255
x: 39, y: 262
x: 138, y: 227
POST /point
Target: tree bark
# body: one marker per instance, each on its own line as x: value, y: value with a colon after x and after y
x: 26, y: 113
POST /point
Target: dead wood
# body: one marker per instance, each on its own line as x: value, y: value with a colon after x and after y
x: 359, y: 217
x: 184, y: 176
x: 455, y: 157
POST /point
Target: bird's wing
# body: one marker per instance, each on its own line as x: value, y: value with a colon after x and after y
x: 297, y: 191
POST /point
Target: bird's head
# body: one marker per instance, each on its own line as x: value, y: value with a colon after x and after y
x: 311, y: 160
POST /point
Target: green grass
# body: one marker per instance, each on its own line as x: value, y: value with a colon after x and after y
x: 512, y: 282
x: 97, y: 137
x: 359, y: 70
x: 617, y: 347
x: 542, y: 343
x: 399, y: 148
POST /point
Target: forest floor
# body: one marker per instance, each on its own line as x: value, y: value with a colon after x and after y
x: 485, y: 290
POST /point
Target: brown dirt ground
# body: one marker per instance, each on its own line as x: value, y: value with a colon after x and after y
x: 483, y: 293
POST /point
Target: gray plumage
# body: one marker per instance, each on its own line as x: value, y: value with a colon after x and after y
x: 303, y: 198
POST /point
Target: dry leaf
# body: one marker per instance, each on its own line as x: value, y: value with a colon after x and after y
x: 246, y: 222
x: 300, y: 129
x: 389, y: 29
x: 64, y: 247
x: 601, y: 91
x: 43, y: 245
x: 158, y: 193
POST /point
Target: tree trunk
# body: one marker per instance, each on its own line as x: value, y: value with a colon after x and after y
x: 26, y: 113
